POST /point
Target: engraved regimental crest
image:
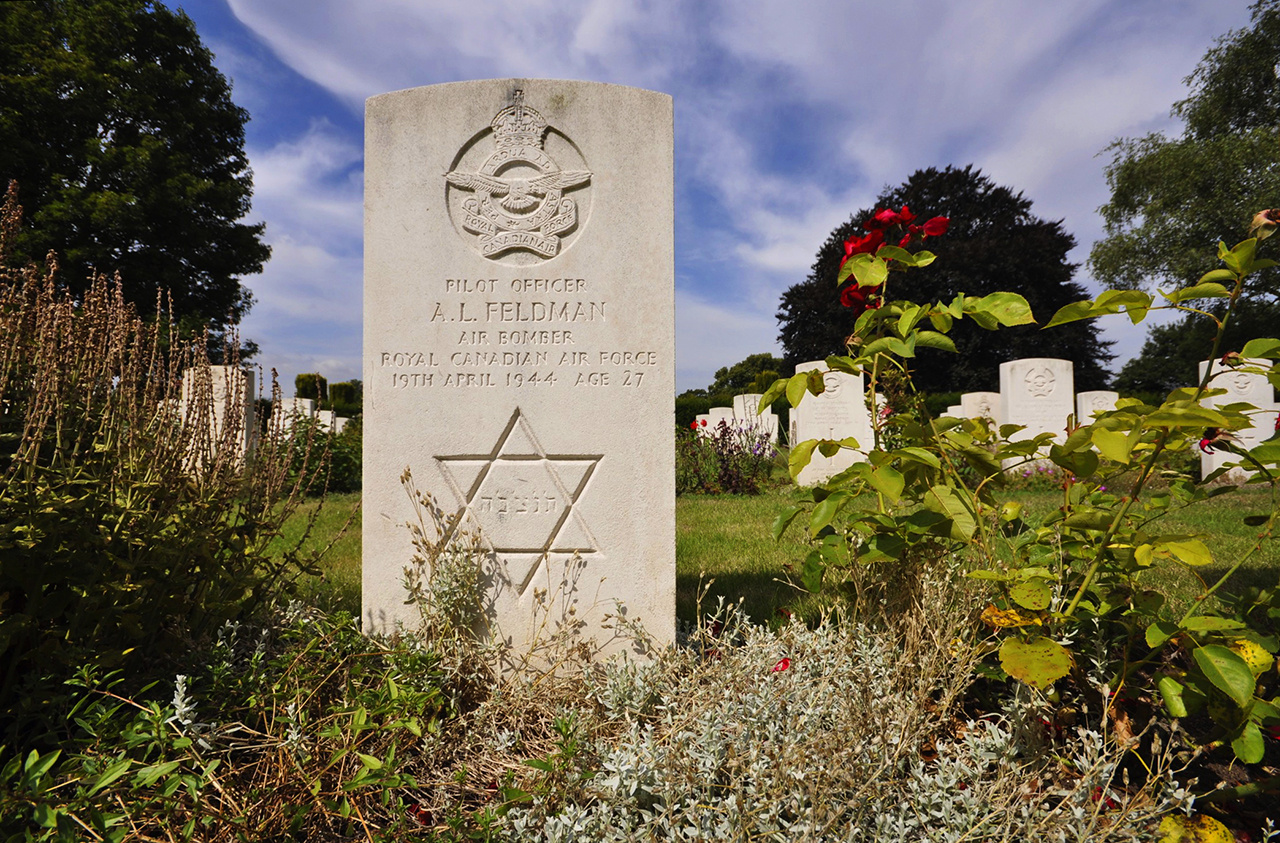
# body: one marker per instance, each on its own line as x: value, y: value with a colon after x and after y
x: 1040, y: 382
x: 506, y: 190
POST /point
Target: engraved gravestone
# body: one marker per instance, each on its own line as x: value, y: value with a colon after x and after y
x: 1039, y: 393
x: 838, y: 412
x: 980, y: 405
x: 1094, y: 401
x: 519, y: 347
x: 1241, y: 387
x: 744, y: 410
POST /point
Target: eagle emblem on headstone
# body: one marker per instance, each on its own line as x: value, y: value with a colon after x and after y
x: 519, y: 200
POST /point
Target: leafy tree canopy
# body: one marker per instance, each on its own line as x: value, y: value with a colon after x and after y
x: 1173, y: 199
x: 748, y: 375
x: 994, y: 243
x: 128, y: 152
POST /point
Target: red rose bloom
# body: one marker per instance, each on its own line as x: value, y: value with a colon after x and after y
x: 887, y: 218
x: 782, y: 665
x: 862, y: 245
x: 936, y: 226
x: 860, y: 298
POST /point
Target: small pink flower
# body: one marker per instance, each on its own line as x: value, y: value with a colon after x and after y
x: 782, y: 665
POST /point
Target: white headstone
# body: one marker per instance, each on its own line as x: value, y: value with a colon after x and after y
x: 340, y: 424
x: 704, y: 424
x: 1096, y: 401
x: 1038, y: 392
x: 1241, y: 387
x: 326, y: 420
x: 229, y: 412
x: 980, y: 405
x: 744, y: 410
x: 519, y: 346
x: 955, y: 410
x: 720, y: 414
x: 839, y: 412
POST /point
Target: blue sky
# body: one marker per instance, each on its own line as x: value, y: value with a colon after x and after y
x: 789, y: 117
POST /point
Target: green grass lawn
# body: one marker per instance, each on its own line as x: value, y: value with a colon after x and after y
x: 725, y: 541
x: 332, y: 526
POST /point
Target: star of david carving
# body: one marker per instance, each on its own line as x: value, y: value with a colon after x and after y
x: 522, y: 499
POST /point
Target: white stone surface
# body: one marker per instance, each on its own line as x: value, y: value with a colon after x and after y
x: 1095, y: 401
x: 839, y: 412
x: 1247, y: 388
x: 955, y: 410
x: 704, y: 424
x: 720, y: 414
x: 340, y: 424
x: 224, y: 405
x: 744, y: 410
x: 519, y: 346
x: 980, y: 405
x: 1038, y: 392
x: 327, y: 420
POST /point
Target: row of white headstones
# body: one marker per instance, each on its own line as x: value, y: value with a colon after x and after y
x: 1036, y: 392
x: 232, y: 395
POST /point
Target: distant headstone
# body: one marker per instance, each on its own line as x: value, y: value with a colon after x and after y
x: 221, y: 400
x: 980, y: 405
x: 340, y: 423
x: 839, y: 412
x: 327, y: 419
x: 1096, y: 401
x: 1241, y: 387
x: 720, y: 414
x: 744, y: 410
x: 1038, y: 392
x: 955, y: 411
x: 519, y: 347
x: 704, y: 424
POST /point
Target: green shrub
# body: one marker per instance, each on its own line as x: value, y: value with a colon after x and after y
x: 124, y: 527
x: 322, y: 461
x: 311, y: 385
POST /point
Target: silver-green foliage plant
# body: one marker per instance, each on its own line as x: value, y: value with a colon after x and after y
x: 1079, y: 575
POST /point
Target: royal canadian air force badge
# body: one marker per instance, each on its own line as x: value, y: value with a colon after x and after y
x: 519, y: 200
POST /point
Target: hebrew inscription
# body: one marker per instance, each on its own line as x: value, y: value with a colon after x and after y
x: 515, y: 199
x: 521, y: 498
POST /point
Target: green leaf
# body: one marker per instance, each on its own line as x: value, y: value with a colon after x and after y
x: 1218, y: 276
x: 370, y: 762
x: 1032, y: 594
x: 773, y: 393
x: 897, y: 254
x: 882, y: 547
x: 1248, y: 746
x: 812, y: 571
x: 871, y: 272
x: 1112, y: 444
x: 944, y: 500
x: 1227, y: 671
x: 924, y: 258
x: 1097, y: 520
x: 1191, y: 552
x: 1071, y: 313
x: 784, y: 519
x: 1039, y: 662
x: 1160, y: 632
x: 800, y: 456
x: 110, y: 774
x: 825, y: 511
x: 941, y: 320
x: 1171, y: 693
x: 38, y: 765
x: 888, y: 481
x: 1008, y: 308
x: 1267, y: 348
x: 148, y: 776
x: 797, y: 387
x: 1198, y: 291
x: 919, y: 455
x: 1210, y: 623
x: 539, y: 764
x: 933, y: 339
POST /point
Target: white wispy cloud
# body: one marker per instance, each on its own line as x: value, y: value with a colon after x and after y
x: 789, y: 117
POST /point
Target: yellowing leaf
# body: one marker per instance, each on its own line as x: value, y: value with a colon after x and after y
x: 1175, y: 828
x: 1191, y: 552
x: 1007, y: 618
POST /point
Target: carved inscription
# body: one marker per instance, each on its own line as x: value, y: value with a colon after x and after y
x: 517, y: 200
x: 1040, y: 382
x: 473, y: 314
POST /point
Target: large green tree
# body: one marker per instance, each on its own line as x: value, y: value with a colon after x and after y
x: 1174, y: 198
x: 994, y: 243
x: 128, y: 152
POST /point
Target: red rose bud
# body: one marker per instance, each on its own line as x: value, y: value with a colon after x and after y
x: 693, y: 425
x: 936, y: 226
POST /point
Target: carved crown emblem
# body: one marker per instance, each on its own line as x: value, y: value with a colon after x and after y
x: 518, y: 200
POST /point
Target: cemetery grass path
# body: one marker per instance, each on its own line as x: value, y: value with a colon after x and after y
x: 726, y: 538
